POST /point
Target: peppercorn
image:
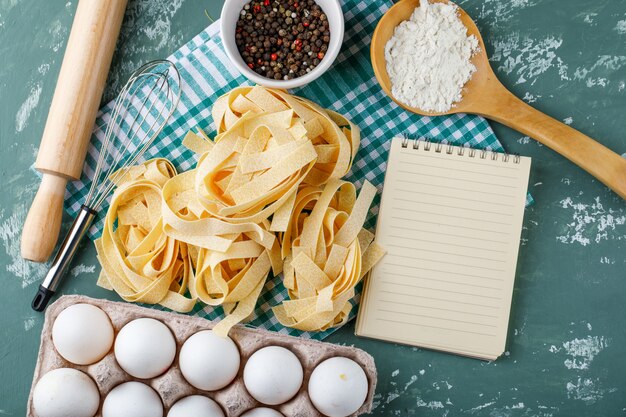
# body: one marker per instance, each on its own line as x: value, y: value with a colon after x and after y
x: 283, y: 41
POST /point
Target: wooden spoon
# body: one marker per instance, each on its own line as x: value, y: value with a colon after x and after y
x: 485, y: 95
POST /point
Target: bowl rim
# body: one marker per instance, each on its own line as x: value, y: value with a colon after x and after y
x: 331, y: 54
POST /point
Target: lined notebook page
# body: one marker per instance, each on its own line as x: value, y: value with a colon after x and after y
x: 451, y: 226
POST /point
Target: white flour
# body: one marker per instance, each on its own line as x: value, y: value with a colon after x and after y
x: 428, y: 58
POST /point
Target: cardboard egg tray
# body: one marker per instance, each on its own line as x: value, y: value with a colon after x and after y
x: 171, y: 386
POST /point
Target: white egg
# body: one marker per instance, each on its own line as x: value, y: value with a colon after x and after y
x: 273, y: 375
x: 195, y: 405
x: 145, y: 348
x: 132, y: 399
x: 338, y: 387
x: 82, y: 334
x: 208, y: 361
x: 262, y: 412
x: 66, y: 392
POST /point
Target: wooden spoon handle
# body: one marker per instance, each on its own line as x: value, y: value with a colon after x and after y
x: 593, y: 157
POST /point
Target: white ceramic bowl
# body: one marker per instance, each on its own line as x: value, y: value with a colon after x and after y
x: 228, y: 22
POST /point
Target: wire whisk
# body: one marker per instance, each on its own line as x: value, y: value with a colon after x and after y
x: 139, y: 114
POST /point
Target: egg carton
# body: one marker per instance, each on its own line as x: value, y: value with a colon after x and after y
x: 172, y: 386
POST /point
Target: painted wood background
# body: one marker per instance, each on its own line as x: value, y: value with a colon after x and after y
x: 567, y: 346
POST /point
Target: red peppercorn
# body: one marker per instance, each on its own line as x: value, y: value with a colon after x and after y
x: 274, y: 57
x: 256, y: 8
x: 298, y: 42
x: 298, y: 48
x: 259, y: 61
x: 305, y: 24
x: 320, y: 55
x: 266, y: 2
x: 295, y: 5
x: 251, y: 65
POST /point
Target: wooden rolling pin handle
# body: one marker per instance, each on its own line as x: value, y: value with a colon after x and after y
x: 43, y: 222
x: 595, y: 158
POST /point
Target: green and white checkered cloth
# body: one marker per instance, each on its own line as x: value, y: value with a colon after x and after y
x: 349, y: 87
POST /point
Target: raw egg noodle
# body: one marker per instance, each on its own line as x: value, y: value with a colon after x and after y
x: 324, y: 248
x: 139, y: 261
x: 265, y: 195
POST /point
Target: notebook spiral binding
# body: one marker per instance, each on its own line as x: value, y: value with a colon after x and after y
x: 438, y: 147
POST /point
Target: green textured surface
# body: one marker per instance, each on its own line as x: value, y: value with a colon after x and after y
x: 567, y: 344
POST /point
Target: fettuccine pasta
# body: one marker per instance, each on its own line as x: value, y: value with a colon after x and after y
x: 326, y: 252
x: 139, y: 261
x: 266, y: 195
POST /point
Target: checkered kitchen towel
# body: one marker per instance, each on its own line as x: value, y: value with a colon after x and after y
x: 349, y: 87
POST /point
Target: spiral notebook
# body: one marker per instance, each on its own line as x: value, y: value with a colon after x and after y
x: 450, y: 220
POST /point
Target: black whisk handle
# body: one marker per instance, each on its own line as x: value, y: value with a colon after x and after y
x: 63, y: 258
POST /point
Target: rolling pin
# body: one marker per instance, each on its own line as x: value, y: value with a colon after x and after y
x: 71, y: 119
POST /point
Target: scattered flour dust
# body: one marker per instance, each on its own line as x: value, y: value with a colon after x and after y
x: 57, y: 35
x: 587, y: 390
x: 583, y: 351
x: 395, y: 393
x: 29, y: 323
x: 530, y: 98
x: 27, y: 107
x: 162, y: 27
x: 592, y: 222
x: 499, y: 12
x: 83, y: 269
x: 589, y: 18
x: 433, y: 405
x: 10, y: 231
x: 600, y: 71
x: 428, y: 58
x: 147, y: 29
x: 480, y: 407
x: 528, y: 58
x: 621, y: 27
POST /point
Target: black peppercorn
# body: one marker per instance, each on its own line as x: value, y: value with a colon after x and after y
x: 282, y: 39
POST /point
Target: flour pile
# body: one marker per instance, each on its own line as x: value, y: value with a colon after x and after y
x: 428, y: 58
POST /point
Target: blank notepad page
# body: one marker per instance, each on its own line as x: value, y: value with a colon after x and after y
x: 450, y: 220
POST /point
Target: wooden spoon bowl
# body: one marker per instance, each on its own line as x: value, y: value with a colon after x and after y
x: 483, y: 94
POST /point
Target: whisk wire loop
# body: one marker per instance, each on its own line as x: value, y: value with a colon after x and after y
x: 139, y: 115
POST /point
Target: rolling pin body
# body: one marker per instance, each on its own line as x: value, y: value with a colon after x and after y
x: 71, y: 118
